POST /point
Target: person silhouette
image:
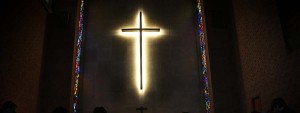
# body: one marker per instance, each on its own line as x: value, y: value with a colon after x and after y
x: 8, y: 107
x: 279, y: 106
x: 99, y: 110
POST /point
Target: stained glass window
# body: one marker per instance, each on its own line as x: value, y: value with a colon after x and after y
x: 203, y: 55
x: 77, y: 62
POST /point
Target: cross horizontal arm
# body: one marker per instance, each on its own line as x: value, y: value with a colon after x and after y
x: 131, y: 30
x: 141, y: 108
x: 144, y: 30
x: 151, y: 29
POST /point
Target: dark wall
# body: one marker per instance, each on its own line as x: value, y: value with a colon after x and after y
x: 289, y: 18
x: 56, y: 74
x: 268, y: 69
x: 22, y: 29
x: 223, y: 56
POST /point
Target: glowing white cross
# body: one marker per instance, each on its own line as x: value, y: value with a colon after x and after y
x: 141, y: 30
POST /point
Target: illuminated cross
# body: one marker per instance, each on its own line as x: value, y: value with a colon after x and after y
x: 141, y: 30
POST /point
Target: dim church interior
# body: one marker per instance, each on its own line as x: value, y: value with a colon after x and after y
x: 253, y: 50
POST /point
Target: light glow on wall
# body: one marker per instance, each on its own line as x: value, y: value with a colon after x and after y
x: 145, y: 35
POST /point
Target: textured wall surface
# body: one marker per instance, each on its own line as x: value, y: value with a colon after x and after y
x: 22, y: 35
x: 268, y: 69
x: 108, y: 78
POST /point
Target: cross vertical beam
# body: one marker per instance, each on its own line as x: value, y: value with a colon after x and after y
x: 141, y: 55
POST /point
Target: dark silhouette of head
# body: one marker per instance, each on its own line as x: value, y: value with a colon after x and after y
x: 278, y: 102
x: 9, y: 107
x: 60, y: 110
x: 278, y: 105
x: 99, y: 110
